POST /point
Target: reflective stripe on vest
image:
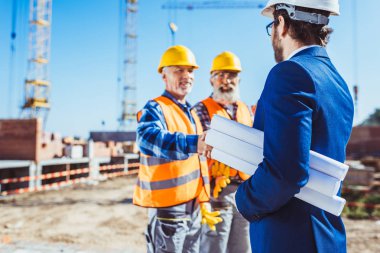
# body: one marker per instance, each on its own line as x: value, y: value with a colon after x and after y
x: 163, y: 182
x: 169, y: 183
x: 243, y: 116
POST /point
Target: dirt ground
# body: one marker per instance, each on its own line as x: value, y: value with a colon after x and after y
x: 101, y: 218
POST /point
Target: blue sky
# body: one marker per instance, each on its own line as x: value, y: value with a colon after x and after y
x: 84, y: 56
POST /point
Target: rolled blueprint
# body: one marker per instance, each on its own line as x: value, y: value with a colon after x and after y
x: 256, y: 137
x: 230, y: 145
x: 238, y: 131
x: 233, y: 161
x: 318, y: 181
x: 333, y: 205
x: 327, y: 165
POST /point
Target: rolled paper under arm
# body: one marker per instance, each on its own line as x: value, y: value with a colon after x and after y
x: 255, y: 137
x: 318, y: 181
x: 331, y: 204
x: 233, y: 162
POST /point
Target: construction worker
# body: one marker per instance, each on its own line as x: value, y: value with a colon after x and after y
x: 305, y: 105
x: 232, y: 235
x: 173, y: 179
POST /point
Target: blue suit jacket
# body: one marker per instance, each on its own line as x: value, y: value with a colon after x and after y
x: 305, y: 105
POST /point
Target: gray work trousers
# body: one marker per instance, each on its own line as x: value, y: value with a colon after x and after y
x: 231, y: 235
x: 174, y: 229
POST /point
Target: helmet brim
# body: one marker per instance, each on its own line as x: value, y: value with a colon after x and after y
x: 269, y: 9
x: 179, y: 64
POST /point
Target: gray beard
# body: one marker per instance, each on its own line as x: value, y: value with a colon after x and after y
x: 226, y: 97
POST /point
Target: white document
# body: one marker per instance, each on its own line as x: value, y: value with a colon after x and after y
x: 256, y: 137
x: 333, y: 205
x: 241, y: 147
x: 327, y: 165
x: 318, y: 181
x: 233, y: 162
x: 238, y: 131
x: 230, y: 145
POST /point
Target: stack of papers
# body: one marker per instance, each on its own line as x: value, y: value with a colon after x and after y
x: 241, y: 147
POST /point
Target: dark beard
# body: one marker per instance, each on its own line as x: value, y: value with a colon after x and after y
x: 277, y: 48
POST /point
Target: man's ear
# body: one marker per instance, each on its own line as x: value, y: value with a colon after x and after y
x: 164, y: 76
x: 282, y: 29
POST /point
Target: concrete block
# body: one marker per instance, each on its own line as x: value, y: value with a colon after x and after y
x: 74, y: 151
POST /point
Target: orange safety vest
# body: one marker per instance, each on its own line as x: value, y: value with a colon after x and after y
x: 243, y: 116
x: 138, y: 115
x: 165, y: 183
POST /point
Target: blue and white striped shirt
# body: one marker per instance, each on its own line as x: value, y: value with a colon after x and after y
x: 154, y: 138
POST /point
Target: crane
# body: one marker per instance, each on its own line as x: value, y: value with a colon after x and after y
x: 216, y: 4
x: 127, y: 120
x: 37, y: 84
x: 212, y: 4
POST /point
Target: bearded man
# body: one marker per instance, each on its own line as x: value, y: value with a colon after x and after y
x: 231, y: 235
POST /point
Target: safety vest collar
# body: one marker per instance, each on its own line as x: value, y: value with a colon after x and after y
x: 243, y: 115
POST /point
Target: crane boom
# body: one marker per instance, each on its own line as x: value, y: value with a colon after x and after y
x: 190, y: 5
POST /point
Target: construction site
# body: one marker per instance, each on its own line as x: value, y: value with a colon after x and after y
x: 67, y: 186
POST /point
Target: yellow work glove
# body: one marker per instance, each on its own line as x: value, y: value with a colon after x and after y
x: 208, y: 217
x: 221, y: 173
x: 226, y: 171
x: 219, y: 169
x: 214, y: 168
x: 220, y: 183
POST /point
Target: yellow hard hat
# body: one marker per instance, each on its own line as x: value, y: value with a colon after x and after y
x: 177, y: 56
x: 226, y: 61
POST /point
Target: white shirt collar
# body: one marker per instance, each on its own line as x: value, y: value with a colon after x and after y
x: 299, y: 50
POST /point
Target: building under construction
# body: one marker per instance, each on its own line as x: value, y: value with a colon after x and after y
x: 32, y: 159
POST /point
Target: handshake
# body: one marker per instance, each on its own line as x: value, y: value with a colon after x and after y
x: 202, y: 147
x: 219, y: 171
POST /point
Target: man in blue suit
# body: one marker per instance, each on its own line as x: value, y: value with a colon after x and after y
x: 305, y: 105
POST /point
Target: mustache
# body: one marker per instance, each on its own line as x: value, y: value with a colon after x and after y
x: 227, y: 85
x: 186, y: 82
x: 229, y: 96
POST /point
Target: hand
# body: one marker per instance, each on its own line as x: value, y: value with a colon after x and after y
x: 201, y: 147
x: 214, y: 165
x: 220, y: 183
x: 208, y: 151
x: 208, y: 217
x: 219, y: 169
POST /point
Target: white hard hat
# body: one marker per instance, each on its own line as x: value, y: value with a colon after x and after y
x: 331, y: 6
